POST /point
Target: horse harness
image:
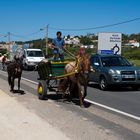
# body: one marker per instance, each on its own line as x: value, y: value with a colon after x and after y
x: 17, y: 68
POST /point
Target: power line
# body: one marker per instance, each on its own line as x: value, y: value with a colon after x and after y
x: 2, y: 36
x: 25, y: 35
x: 34, y: 33
x: 98, y: 27
x: 19, y: 36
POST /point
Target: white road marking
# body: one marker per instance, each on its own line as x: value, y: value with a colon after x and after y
x: 33, y: 82
x: 100, y: 105
x: 113, y: 109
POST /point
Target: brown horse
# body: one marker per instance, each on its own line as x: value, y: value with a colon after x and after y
x: 77, y: 83
x: 14, y: 70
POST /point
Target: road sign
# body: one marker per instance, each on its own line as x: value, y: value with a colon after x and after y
x: 110, y: 41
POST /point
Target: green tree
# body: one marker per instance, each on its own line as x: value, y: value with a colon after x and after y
x: 85, y: 40
x: 125, y: 38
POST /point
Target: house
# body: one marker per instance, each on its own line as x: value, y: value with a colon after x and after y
x: 134, y: 43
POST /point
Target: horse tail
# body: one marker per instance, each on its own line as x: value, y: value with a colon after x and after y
x: 9, y: 80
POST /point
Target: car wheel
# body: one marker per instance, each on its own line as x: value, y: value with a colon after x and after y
x: 103, y: 84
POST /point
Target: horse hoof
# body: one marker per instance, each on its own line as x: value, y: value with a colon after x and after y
x: 12, y: 90
x: 82, y: 106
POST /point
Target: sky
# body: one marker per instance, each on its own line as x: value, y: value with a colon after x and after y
x: 24, y: 18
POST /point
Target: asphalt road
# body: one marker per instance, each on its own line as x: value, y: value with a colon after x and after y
x: 123, y: 99
x: 91, y: 122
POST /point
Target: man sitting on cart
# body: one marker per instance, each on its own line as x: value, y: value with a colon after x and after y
x: 58, y: 46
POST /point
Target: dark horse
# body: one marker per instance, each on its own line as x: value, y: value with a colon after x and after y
x: 77, y: 83
x: 14, y: 70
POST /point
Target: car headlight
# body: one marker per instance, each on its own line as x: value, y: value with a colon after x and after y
x: 111, y: 71
x: 26, y: 60
x: 118, y: 71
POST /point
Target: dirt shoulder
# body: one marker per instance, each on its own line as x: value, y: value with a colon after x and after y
x: 19, y: 123
x: 25, y: 117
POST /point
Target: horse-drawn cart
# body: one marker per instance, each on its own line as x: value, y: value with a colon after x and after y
x: 74, y: 75
x: 49, y: 75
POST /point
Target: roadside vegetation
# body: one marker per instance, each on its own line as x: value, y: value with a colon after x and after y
x: 132, y: 54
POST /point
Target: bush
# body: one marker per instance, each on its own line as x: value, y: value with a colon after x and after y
x: 3, y: 51
x: 131, y: 53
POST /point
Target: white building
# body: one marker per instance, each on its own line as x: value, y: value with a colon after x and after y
x: 134, y: 43
x: 72, y: 40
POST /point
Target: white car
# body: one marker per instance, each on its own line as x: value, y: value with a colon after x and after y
x: 31, y: 57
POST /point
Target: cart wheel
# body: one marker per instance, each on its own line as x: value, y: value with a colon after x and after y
x: 42, y: 90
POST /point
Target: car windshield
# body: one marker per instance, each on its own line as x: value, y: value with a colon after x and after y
x: 34, y: 53
x: 114, y: 61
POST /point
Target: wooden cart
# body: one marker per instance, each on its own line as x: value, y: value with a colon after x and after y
x: 48, y: 82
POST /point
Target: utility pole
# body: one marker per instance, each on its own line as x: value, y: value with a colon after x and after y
x: 47, y: 39
x: 9, y: 38
x: 9, y: 45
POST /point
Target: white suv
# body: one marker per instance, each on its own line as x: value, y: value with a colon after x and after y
x: 31, y: 57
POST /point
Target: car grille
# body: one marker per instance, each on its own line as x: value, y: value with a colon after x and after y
x: 128, y: 79
x: 128, y: 72
x: 128, y: 75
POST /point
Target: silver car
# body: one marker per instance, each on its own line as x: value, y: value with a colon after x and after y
x: 107, y: 70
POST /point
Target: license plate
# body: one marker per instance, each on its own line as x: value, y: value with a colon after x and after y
x: 127, y: 76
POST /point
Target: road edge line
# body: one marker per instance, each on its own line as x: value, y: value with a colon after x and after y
x: 114, y: 110
x: 29, y: 81
x: 100, y: 105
